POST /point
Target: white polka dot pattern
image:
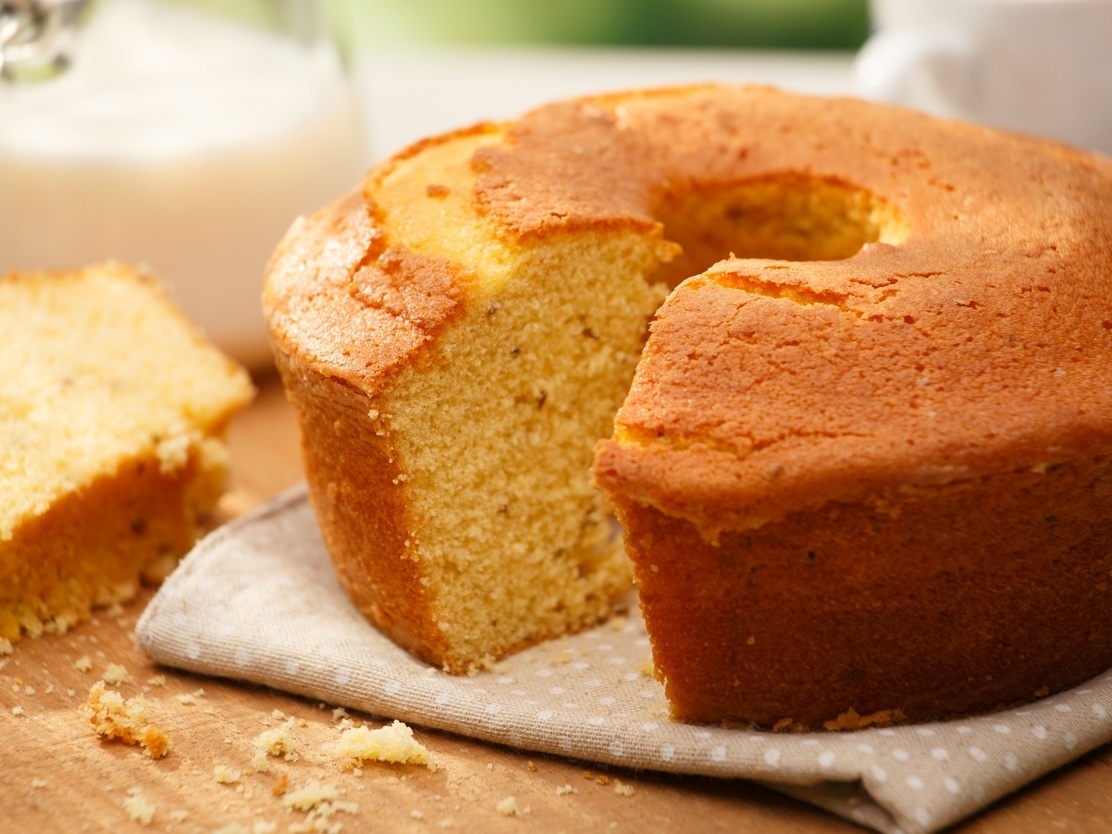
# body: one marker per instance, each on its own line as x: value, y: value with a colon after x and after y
x: 281, y: 619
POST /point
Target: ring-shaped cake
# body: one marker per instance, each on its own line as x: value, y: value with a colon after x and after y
x: 863, y: 469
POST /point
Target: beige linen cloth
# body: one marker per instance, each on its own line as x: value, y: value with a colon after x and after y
x: 257, y: 600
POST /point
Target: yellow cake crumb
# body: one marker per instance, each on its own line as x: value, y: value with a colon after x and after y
x: 508, y: 806
x: 393, y: 743
x: 789, y: 725
x: 277, y: 741
x: 128, y: 721
x: 83, y: 663
x: 310, y: 795
x: 226, y: 775
x: 850, y: 720
x: 138, y: 807
x: 116, y: 674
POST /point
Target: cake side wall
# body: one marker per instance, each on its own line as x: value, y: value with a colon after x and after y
x: 936, y: 602
x: 352, y: 473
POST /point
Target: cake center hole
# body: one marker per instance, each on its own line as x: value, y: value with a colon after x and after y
x: 785, y: 218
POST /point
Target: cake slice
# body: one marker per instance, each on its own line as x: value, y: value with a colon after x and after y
x: 112, y: 408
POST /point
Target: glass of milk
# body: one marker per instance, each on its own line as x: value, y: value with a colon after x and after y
x: 180, y: 139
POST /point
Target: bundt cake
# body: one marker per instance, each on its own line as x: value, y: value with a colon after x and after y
x: 863, y: 467
x: 111, y: 412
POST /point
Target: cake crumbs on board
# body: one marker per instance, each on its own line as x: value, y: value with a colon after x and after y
x: 138, y: 807
x: 393, y: 743
x: 113, y: 717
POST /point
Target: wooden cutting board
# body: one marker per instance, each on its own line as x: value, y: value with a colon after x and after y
x: 56, y: 775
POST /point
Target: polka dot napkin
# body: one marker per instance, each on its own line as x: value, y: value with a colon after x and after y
x: 257, y: 600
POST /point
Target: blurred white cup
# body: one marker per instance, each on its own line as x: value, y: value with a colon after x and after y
x: 181, y: 138
x: 1042, y: 67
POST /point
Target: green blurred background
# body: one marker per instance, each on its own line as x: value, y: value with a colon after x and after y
x: 761, y: 24
x: 743, y: 24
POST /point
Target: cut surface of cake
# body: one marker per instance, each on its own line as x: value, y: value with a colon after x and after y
x: 112, y: 409
x: 450, y: 383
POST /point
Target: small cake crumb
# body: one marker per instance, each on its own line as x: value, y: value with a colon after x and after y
x: 6, y: 646
x: 38, y: 783
x: 789, y: 725
x: 17, y: 710
x: 850, y: 720
x: 138, y: 807
x: 310, y: 795
x: 156, y: 680
x: 114, y: 718
x: 190, y: 698
x: 281, y: 785
x: 225, y: 775
x: 564, y: 790
x: 510, y: 808
x: 647, y: 668
x: 393, y: 743
x: 277, y: 741
x: 622, y: 789
x: 83, y: 663
x: 179, y: 815
x: 115, y: 674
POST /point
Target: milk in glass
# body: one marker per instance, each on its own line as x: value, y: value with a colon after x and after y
x: 180, y: 141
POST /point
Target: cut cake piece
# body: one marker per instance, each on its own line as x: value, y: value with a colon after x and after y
x: 112, y: 407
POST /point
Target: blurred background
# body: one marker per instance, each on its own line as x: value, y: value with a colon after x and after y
x: 154, y: 136
x: 772, y: 24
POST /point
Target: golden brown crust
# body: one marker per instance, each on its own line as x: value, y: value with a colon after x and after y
x: 343, y: 301
x: 356, y: 493
x: 91, y: 547
x: 935, y: 611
